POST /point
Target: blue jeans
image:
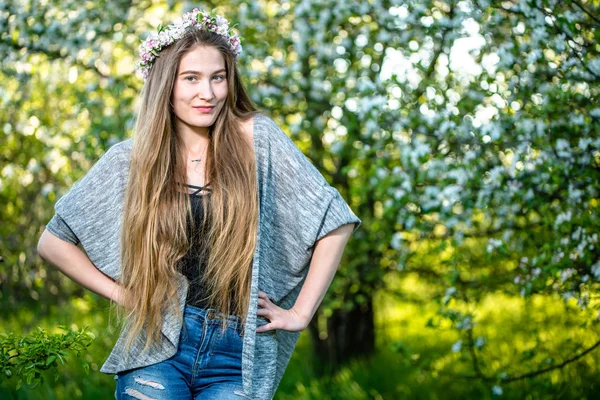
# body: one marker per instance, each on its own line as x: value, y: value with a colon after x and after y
x: 207, y: 365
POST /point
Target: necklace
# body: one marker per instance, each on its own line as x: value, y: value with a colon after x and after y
x: 197, y: 160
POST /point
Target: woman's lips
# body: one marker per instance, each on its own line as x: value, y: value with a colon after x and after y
x: 204, y: 109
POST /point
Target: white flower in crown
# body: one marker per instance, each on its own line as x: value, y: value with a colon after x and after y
x: 150, y: 48
x: 163, y: 38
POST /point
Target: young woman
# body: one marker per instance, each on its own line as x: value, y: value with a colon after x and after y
x: 209, y: 227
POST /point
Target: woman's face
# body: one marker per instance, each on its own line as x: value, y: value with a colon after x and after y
x: 200, y: 89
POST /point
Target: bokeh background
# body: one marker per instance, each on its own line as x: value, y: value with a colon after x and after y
x: 464, y: 134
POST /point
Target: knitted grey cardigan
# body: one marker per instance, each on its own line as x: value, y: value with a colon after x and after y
x: 297, y: 207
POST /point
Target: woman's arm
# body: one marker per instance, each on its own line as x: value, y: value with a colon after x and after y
x: 75, y: 264
x: 325, y: 260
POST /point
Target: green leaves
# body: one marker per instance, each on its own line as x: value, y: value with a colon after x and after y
x: 27, y: 357
x: 50, y: 360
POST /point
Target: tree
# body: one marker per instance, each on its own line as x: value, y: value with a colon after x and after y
x: 427, y: 152
x: 63, y: 104
x: 505, y: 157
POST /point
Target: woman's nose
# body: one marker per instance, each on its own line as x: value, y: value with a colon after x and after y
x: 205, y: 90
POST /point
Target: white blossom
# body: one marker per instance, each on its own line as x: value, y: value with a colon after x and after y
x: 563, y: 217
x: 596, y: 270
x: 457, y: 346
x: 449, y: 294
x: 479, y: 342
x: 566, y: 274
x: 396, y: 242
x: 584, y: 143
x: 493, y: 244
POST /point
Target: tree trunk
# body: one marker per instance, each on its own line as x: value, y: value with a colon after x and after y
x: 350, y: 334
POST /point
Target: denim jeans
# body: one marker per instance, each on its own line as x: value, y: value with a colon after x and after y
x: 207, y: 365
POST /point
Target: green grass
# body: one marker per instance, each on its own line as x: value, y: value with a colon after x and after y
x: 521, y: 336
x: 512, y: 328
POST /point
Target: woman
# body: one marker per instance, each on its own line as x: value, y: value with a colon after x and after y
x: 193, y: 266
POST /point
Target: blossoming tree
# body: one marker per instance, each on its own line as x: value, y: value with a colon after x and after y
x: 500, y: 153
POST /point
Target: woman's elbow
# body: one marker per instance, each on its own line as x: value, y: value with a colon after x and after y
x: 48, y: 244
x: 42, y: 245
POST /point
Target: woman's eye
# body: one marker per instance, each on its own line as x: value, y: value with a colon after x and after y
x: 219, y: 77
x: 189, y: 78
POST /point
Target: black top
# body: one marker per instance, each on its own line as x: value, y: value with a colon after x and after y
x: 193, y: 262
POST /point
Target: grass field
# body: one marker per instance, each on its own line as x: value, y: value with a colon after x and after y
x: 413, y: 361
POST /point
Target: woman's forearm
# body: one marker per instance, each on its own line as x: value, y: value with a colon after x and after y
x: 325, y: 261
x: 75, y: 264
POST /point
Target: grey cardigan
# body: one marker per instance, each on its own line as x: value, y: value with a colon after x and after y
x: 297, y: 207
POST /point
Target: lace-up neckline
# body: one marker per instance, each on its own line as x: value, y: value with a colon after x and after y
x: 197, y: 189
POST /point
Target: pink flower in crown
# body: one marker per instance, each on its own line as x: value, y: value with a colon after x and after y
x: 150, y: 44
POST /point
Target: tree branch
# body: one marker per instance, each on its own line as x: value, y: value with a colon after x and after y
x: 513, y: 378
x: 586, y: 11
x: 553, y: 367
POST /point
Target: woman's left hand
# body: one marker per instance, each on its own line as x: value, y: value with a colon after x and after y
x: 288, y: 320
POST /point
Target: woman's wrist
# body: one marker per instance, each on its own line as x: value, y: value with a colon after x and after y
x: 304, y: 317
x: 118, y: 295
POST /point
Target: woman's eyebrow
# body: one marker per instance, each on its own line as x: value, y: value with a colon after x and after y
x: 190, y: 71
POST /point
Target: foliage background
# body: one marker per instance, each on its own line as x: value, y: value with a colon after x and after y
x: 463, y: 133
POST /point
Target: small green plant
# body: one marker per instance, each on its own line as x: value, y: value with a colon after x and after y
x: 27, y: 357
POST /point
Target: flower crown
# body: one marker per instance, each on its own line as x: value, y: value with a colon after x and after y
x: 168, y: 35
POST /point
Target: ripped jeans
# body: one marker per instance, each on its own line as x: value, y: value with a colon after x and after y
x: 207, y: 365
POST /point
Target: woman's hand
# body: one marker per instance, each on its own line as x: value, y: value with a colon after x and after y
x: 288, y: 320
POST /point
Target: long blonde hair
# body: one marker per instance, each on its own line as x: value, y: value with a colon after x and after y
x: 157, y: 204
